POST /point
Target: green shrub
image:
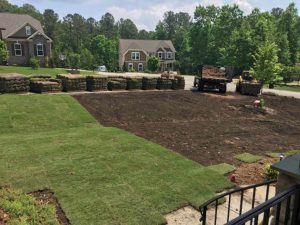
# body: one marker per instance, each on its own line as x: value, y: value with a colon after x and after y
x: 131, y: 70
x: 34, y: 63
x: 153, y: 64
x: 3, y: 53
x: 270, y: 173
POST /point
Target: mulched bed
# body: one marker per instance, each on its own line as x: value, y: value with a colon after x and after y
x: 207, y: 128
x: 47, y: 197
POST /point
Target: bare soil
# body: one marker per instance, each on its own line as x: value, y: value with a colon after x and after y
x: 47, y: 197
x: 4, y: 217
x: 207, y: 128
x: 251, y: 173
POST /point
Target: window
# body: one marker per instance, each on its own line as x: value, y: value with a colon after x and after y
x: 135, y: 56
x: 40, y: 50
x: 160, y: 55
x: 169, y: 55
x: 28, y: 30
x: 130, y: 66
x: 18, y: 49
x: 141, y: 67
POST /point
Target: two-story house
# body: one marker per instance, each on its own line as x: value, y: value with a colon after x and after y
x: 25, y: 38
x: 135, y: 54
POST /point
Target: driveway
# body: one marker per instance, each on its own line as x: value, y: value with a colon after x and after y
x: 189, y: 83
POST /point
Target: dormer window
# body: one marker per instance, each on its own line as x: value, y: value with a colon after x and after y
x: 135, y: 56
x: 28, y: 30
x: 169, y: 55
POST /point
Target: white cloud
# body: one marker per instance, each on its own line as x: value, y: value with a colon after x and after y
x: 244, y: 5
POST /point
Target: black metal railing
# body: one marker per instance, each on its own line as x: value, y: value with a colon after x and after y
x: 281, y: 209
x: 215, y: 202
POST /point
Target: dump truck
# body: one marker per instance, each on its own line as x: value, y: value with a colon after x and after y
x: 212, y: 78
x: 247, y: 85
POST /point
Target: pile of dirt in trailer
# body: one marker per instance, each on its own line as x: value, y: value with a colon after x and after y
x: 207, y: 128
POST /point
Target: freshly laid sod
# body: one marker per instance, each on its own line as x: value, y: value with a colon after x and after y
x: 99, y: 175
x: 29, y: 71
x: 287, y: 154
x: 248, y: 158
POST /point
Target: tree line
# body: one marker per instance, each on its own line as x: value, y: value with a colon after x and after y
x: 215, y: 35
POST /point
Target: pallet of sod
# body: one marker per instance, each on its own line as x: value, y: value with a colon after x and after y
x: 178, y: 83
x: 72, y: 82
x: 149, y: 83
x: 134, y: 83
x: 117, y: 84
x: 164, y: 83
x: 250, y: 88
x: 13, y: 83
x: 96, y: 83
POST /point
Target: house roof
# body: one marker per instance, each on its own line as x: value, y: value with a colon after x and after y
x: 12, y: 22
x: 146, y: 45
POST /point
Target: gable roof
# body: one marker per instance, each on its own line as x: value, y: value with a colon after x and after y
x: 12, y: 22
x: 146, y: 45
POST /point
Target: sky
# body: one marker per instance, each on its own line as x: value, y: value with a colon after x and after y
x: 145, y: 14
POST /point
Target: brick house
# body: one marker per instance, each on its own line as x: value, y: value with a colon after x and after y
x: 135, y: 54
x: 25, y: 38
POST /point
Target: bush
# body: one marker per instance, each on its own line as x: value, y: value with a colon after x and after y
x: 270, y: 173
x: 131, y: 70
x: 153, y: 64
x: 34, y: 63
x: 3, y: 53
x: 74, y: 60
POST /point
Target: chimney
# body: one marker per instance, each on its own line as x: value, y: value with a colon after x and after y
x: 1, y: 29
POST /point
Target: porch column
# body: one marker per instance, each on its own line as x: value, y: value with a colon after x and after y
x: 289, y: 176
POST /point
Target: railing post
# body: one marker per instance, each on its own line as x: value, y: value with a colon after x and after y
x: 203, y: 219
x: 296, y: 209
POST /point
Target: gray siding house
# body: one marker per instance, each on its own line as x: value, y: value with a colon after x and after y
x: 25, y: 38
x: 135, y: 53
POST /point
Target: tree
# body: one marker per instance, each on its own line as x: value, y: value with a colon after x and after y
x: 144, y: 35
x: 50, y: 22
x: 127, y: 29
x: 74, y: 61
x: 153, y: 64
x: 86, y: 59
x: 3, y: 53
x: 108, y: 28
x: 266, y: 66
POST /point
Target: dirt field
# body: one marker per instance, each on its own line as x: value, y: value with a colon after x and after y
x: 207, y: 128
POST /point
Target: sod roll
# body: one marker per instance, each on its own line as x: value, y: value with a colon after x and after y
x: 96, y: 83
x: 72, y: 82
x: 14, y: 83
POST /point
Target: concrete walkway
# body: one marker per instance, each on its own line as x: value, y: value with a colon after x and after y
x: 190, y: 216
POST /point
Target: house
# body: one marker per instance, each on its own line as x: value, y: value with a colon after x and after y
x: 135, y: 53
x: 25, y: 38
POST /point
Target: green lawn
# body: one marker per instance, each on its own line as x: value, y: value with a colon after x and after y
x: 29, y: 71
x: 287, y: 87
x: 99, y: 175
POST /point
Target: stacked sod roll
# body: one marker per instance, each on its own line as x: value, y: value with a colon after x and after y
x: 13, y: 83
x: 134, y: 83
x: 149, y: 83
x: 116, y: 83
x: 164, y: 83
x: 72, y: 82
x: 96, y: 83
x: 44, y: 83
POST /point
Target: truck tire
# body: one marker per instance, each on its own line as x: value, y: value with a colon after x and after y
x: 200, y: 86
x: 222, y: 88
